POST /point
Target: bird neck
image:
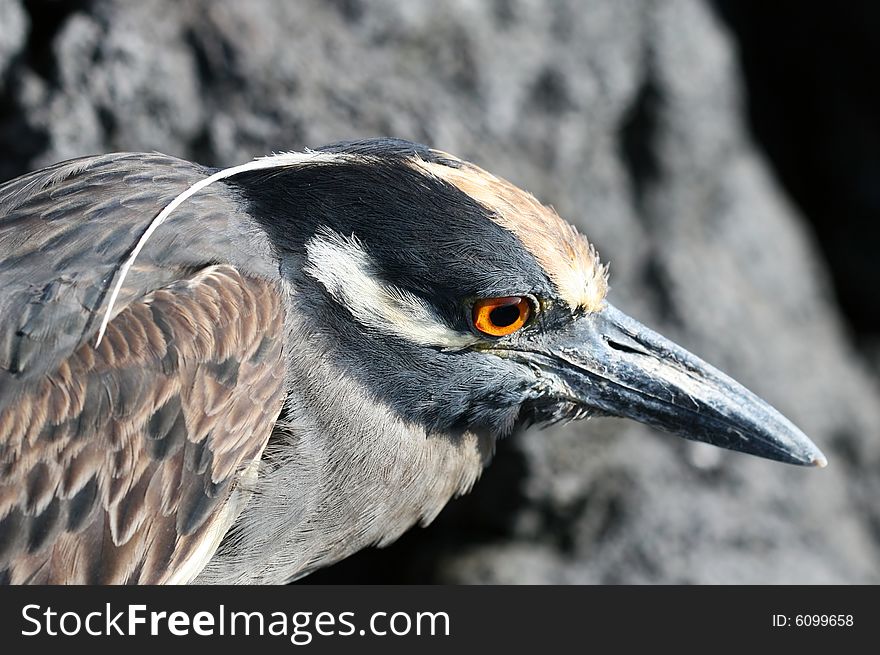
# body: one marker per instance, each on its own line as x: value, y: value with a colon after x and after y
x: 341, y: 472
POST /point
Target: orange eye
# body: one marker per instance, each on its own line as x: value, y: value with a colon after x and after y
x: 499, y: 317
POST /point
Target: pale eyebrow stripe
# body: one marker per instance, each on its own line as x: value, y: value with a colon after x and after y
x: 569, y: 260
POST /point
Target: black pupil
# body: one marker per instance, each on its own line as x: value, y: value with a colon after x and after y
x: 504, y: 316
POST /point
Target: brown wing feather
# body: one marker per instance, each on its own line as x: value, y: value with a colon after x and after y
x: 116, y: 466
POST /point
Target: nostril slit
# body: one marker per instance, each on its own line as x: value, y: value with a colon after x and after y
x: 625, y: 347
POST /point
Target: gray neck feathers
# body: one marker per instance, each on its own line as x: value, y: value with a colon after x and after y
x: 341, y: 472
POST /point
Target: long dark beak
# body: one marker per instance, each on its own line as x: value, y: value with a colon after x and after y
x: 616, y: 366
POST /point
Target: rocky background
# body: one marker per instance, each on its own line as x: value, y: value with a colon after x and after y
x: 718, y: 159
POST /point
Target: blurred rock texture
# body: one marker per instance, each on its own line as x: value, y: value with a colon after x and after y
x: 628, y: 116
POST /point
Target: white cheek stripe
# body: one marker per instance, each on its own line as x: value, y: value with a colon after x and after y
x: 345, y: 269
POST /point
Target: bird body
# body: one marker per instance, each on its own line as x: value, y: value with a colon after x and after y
x: 242, y: 375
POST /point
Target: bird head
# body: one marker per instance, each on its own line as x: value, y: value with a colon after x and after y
x: 463, y: 303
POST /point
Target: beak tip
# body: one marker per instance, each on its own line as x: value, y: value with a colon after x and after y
x: 808, y: 454
x: 811, y: 455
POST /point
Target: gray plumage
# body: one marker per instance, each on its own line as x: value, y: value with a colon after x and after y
x: 293, y: 368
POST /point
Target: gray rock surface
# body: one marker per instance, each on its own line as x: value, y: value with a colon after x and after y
x: 627, y: 117
x: 13, y: 32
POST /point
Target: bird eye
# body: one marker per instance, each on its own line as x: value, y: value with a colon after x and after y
x: 499, y: 317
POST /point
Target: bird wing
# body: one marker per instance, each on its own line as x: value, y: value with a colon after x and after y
x: 121, y: 463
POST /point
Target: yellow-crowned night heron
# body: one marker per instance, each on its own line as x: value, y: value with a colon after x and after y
x: 242, y: 375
